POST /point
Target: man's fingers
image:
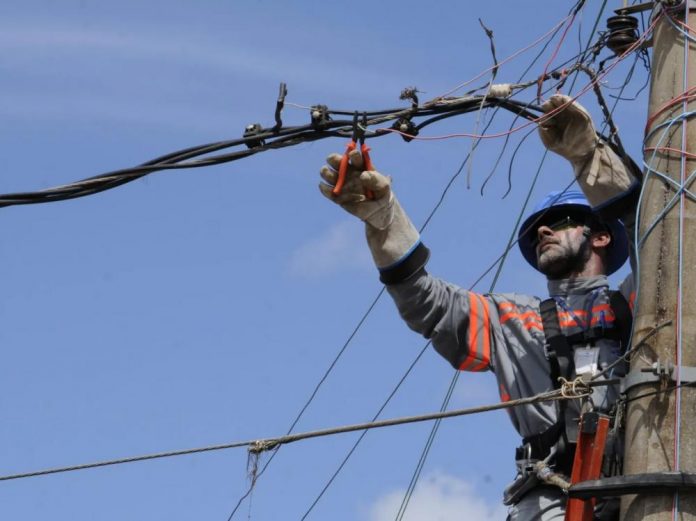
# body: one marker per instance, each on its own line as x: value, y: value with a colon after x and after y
x: 328, y: 174
x: 373, y: 180
x: 326, y: 190
x: 566, y: 109
x: 343, y: 197
x: 334, y: 160
x: 356, y: 159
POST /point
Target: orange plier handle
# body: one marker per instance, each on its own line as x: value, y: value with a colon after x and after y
x: 343, y: 167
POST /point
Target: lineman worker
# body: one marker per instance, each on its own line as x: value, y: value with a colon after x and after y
x: 565, y: 239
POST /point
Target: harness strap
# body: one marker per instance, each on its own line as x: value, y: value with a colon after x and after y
x: 559, y: 350
x: 561, y: 360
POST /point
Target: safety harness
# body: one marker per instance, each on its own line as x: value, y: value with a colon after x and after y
x: 560, y: 354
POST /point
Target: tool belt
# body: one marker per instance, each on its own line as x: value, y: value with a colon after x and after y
x: 535, y: 449
x: 538, y: 447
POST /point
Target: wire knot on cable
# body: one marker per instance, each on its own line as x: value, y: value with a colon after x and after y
x: 259, y: 446
x: 576, y: 388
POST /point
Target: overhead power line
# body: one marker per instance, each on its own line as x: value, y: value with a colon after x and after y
x: 262, y: 445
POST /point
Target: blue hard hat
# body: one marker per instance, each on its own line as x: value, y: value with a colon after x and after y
x: 574, y: 201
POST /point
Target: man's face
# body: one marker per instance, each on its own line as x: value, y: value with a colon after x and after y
x: 562, y: 247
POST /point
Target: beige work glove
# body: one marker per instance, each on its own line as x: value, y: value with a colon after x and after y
x: 600, y: 172
x: 390, y: 233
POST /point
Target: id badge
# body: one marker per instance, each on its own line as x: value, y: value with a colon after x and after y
x: 586, y: 360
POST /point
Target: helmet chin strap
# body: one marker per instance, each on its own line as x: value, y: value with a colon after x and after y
x: 586, y: 231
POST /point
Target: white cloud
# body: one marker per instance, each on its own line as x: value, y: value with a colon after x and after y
x: 340, y: 248
x: 438, y: 497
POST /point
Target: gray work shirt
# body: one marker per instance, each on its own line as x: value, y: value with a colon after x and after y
x: 503, y: 333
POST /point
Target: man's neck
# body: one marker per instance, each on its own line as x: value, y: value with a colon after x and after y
x: 577, y: 286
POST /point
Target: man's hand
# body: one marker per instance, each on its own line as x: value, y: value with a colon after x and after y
x: 376, y: 211
x: 569, y: 131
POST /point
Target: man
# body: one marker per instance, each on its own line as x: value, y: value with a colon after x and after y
x: 566, y: 240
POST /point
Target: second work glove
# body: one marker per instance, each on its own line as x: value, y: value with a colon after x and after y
x: 390, y: 233
x: 569, y: 131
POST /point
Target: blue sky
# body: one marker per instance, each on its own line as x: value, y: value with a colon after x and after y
x: 200, y: 307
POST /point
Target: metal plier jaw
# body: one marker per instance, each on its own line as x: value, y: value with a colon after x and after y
x: 358, y: 138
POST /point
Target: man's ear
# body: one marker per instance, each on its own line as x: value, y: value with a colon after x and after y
x: 600, y: 240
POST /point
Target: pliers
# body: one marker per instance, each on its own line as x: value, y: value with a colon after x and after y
x: 357, y: 138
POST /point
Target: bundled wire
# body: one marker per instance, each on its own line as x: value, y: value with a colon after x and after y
x: 261, y: 140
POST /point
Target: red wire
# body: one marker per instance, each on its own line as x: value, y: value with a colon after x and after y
x: 683, y: 24
x: 684, y: 153
x: 546, y: 115
x: 513, y: 55
x: 684, y: 96
x: 553, y: 56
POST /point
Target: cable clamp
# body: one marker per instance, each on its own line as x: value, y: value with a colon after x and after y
x: 406, y: 128
x: 319, y: 115
x: 250, y: 131
x: 662, y: 372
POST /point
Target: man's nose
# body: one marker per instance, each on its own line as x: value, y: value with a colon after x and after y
x: 543, y: 231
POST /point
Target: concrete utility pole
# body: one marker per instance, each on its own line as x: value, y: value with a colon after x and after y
x: 661, y: 429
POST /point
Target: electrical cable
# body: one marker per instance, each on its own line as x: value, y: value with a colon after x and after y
x: 363, y: 433
x: 199, y: 156
x: 313, y: 394
x: 262, y: 445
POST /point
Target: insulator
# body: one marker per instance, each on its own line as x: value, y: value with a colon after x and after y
x: 623, y: 32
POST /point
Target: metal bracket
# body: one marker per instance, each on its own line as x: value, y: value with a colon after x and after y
x: 636, y: 8
x: 658, y: 372
x: 677, y: 6
x: 650, y: 483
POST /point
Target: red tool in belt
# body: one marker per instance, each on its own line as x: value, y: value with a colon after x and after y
x: 358, y: 137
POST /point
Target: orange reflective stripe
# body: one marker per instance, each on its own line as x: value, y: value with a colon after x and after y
x: 533, y: 325
x: 479, y: 330
x: 607, y: 318
x: 473, y: 332
x: 506, y: 305
x: 601, y: 307
x: 632, y: 300
x: 504, y: 395
x: 522, y: 316
x: 486, y: 333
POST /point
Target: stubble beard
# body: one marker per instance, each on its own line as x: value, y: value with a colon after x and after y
x: 563, y: 259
